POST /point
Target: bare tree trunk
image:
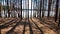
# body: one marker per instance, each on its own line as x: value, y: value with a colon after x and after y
x: 21, y: 9
x: 43, y: 9
x: 40, y: 7
x: 8, y: 8
x: 28, y: 10
x: 0, y: 9
x: 56, y: 11
x: 59, y: 20
x: 49, y: 7
x: 31, y: 9
x: 0, y: 31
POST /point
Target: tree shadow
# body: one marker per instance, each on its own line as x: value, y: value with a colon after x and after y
x: 30, y: 28
x: 24, y: 28
x: 49, y: 23
x: 38, y: 27
x: 50, y: 26
x: 11, y: 31
x: 6, y: 24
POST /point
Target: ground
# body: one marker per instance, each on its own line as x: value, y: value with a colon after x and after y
x: 28, y: 26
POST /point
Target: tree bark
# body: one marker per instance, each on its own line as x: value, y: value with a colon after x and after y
x: 0, y: 9
x: 49, y: 7
x: 40, y: 7
x: 43, y: 9
x: 8, y: 8
x: 0, y: 31
x: 21, y: 9
x: 56, y: 11
x: 59, y: 20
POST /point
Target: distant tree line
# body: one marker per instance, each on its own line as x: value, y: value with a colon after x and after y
x: 41, y: 8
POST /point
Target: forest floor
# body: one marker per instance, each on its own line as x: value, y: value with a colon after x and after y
x: 28, y: 26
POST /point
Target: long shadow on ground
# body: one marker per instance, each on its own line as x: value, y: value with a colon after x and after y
x: 50, y: 26
x: 30, y: 28
x: 6, y: 24
x: 24, y: 28
x: 31, y: 31
x: 38, y: 27
x: 11, y: 31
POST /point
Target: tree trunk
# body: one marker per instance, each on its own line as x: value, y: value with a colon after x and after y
x: 28, y: 10
x: 49, y: 7
x: 40, y: 7
x: 31, y: 9
x: 0, y: 9
x: 56, y: 11
x: 8, y: 8
x: 43, y: 9
x: 59, y: 20
x: 21, y: 9
x: 0, y: 31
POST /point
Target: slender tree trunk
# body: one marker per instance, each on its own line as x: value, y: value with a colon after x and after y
x: 0, y: 31
x: 18, y: 15
x: 31, y: 9
x: 49, y: 7
x: 0, y: 16
x: 28, y: 10
x: 59, y: 20
x: 4, y: 13
x: 56, y: 11
x: 21, y: 9
x: 0, y: 13
x: 8, y: 8
x: 0, y: 9
x: 43, y: 9
x: 40, y: 7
